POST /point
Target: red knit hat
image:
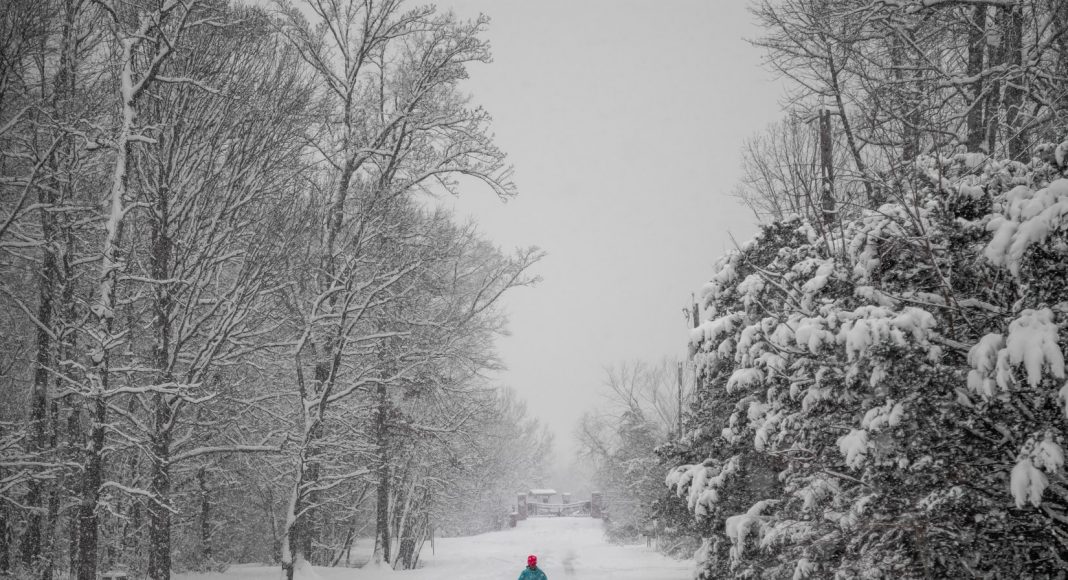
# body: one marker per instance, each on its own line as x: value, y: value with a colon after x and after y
x: 532, y: 560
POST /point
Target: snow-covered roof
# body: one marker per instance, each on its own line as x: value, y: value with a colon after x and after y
x: 543, y: 492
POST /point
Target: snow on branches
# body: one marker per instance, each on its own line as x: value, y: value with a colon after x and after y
x: 1027, y: 218
x: 872, y: 393
x: 1032, y: 343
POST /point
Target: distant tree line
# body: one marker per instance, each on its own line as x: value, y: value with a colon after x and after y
x: 235, y: 324
x: 639, y: 411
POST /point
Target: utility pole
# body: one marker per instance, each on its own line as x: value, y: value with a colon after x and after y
x: 696, y: 312
x: 695, y: 321
x: 678, y: 419
x: 827, y: 166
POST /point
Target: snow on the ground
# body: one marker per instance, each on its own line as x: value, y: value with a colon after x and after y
x: 572, y: 548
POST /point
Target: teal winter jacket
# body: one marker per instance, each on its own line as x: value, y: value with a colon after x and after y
x: 532, y: 574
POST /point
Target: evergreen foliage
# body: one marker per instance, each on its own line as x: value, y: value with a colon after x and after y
x: 886, y: 398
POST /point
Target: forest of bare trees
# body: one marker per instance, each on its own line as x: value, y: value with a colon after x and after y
x: 897, y: 79
x: 236, y: 326
x: 641, y: 408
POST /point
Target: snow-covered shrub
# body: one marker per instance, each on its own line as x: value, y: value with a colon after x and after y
x: 886, y: 398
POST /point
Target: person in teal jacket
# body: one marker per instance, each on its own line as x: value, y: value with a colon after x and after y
x: 532, y: 572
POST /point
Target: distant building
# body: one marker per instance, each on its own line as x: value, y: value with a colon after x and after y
x: 542, y: 495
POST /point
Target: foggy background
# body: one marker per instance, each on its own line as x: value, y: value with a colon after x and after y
x: 624, y: 122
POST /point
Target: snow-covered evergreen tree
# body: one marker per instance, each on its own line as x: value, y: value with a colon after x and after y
x: 885, y: 397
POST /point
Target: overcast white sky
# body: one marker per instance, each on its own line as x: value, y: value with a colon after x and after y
x: 624, y: 121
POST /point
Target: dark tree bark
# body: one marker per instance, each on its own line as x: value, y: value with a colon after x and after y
x: 206, y: 552
x: 76, y: 442
x: 976, y: 52
x: 159, y: 515
x: 992, y: 103
x: 93, y: 478
x: 834, y: 73
x: 1012, y: 37
x: 1060, y: 20
x: 827, y: 201
x: 908, y: 100
x: 50, y: 283
x: 48, y: 540
x: 382, y: 534
x: 39, y: 427
x: 5, y: 543
x: 308, y: 528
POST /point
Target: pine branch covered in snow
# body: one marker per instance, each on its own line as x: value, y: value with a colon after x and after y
x: 887, y: 399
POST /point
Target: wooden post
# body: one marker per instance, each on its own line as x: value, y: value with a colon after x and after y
x: 678, y: 419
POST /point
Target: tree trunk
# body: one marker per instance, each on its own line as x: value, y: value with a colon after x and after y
x: 299, y: 530
x: 976, y: 51
x: 314, y: 466
x: 847, y: 128
x: 291, y: 543
x: 159, y: 514
x: 38, y: 435
x: 49, y: 286
x: 382, y: 535
x: 76, y: 441
x: 103, y: 322
x: 1012, y: 37
x: 39, y: 424
x: 346, y: 547
x: 90, y: 496
x: 907, y: 104
x: 296, y: 541
x: 132, y: 520
x: 994, y: 100
x: 827, y: 202
x: 48, y: 540
x: 206, y: 552
x: 5, y: 548
x: 412, y: 529
x: 1060, y: 20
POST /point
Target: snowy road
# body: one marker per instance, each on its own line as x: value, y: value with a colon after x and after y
x: 567, y: 548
